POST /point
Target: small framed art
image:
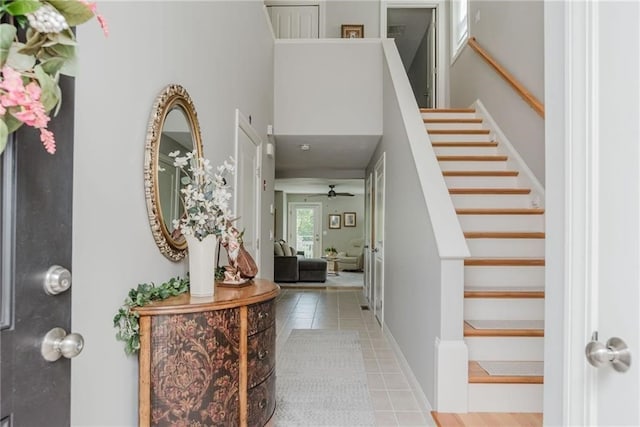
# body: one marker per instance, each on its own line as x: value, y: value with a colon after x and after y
x: 352, y: 31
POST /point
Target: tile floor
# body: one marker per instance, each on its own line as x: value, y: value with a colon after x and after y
x: 394, y: 401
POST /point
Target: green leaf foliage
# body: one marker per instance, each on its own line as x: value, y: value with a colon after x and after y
x: 19, y: 61
x: 126, y: 319
x: 22, y: 7
x: 7, y: 34
x: 74, y: 12
x: 12, y: 123
x: 50, y: 90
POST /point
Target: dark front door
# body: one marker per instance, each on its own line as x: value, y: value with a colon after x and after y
x: 35, y: 234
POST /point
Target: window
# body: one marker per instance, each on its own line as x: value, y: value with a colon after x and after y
x: 459, y: 26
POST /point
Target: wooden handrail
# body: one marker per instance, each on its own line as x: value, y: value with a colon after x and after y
x: 515, y: 84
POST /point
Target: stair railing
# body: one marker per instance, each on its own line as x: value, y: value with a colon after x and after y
x: 537, y: 106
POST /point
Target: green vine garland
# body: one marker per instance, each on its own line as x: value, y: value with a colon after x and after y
x: 126, y: 320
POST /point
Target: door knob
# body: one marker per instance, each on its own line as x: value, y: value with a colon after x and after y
x: 57, y: 280
x: 57, y: 344
x: 615, y: 351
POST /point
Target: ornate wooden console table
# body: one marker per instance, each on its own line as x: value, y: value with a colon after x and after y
x: 209, y: 361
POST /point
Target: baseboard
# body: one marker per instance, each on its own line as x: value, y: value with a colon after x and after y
x: 425, y: 406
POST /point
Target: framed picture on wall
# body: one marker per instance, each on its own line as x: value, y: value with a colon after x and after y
x: 349, y: 219
x: 352, y: 31
x: 335, y: 220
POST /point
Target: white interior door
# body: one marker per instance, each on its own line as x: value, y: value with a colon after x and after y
x: 247, y: 185
x: 368, y: 242
x: 294, y: 22
x: 599, y: 140
x: 305, y: 226
x: 378, y: 250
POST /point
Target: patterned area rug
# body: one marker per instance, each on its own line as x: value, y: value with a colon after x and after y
x: 321, y: 380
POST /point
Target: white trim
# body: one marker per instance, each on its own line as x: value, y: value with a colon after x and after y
x: 461, y: 49
x: 527, y: 177
x: 380, y: 164
x: 423, y: 402
x: 442, y: 67
x: 580, y: 79
x: 327, y: 41
x: 269, y: 23
x: 241, y: 123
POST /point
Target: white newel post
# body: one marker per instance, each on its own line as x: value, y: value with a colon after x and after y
x: 452, y: 356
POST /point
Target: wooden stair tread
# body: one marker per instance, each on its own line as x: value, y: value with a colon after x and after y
x: 504, y: 235
x: 489, y: 190
x: 465, y: 144
x: 470, y: 331
x: 500, y: 211
x: 459, y: 131
x: 477, y: 375
x: 447, y: 110
x: 478, y: 158
x: 506, y: 262
x: 503, y: 293
x: 453, y: 120
x: 480, y: 173
x: 476, y: 419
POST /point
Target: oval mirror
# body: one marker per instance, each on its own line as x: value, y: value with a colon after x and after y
x: 173, y: 126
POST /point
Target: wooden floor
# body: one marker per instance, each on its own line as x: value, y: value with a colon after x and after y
x: 487, y: 419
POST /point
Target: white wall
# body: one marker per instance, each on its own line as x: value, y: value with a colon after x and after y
x: 150, y: 46
x: 513, y: 33
x: 338, y: 238
x: 349, y: 100
x: 364, y: 12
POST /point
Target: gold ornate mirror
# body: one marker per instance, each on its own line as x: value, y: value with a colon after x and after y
x: 173, y: 126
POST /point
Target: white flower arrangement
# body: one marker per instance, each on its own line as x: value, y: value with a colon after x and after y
x: 205, y: 196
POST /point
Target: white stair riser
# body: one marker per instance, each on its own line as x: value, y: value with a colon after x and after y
x: 433, y: 126
x: 504, y: 308
x: 506, y: 248
x: 461, y: 137
x: 505, y: 348
x: 490, y: 201
x: 440, y: 115
x: 501, y: 222
x: 472, y: 165
x: 465, y: 151
x: 505, y: 397
x: 481, y: 181
x: 528, y: 276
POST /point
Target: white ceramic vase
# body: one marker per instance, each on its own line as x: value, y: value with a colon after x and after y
x: 202, y: 264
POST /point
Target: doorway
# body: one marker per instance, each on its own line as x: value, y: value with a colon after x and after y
x: 247, y: 185
x: 305, y: 226
x: 414, y: 32
x: 294, y: 21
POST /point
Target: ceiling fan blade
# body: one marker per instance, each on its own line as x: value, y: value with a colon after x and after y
x: 345, y: 194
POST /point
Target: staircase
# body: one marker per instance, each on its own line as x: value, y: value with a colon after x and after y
x: 504, y: 278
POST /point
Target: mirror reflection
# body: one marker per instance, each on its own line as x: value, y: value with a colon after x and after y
x: 176, y: 136
x: 173, y: 126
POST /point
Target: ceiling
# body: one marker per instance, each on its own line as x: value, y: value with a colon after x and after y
x: 329, y: 156
x: 319, y: 185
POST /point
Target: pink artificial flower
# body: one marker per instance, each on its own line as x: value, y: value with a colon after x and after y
x: 49, y: 142
x: 93, y: 7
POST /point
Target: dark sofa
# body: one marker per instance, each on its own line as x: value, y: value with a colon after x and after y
x: 292, y: 266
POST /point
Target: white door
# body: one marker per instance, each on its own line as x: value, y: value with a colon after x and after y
x: 247, y: 185
x: 305, y: 226
x: 378, y: 250
x: 294, y: 22
x: 368, y: 242
x: 599, y: 202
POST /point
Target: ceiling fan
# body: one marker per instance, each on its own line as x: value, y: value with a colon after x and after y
x: 332, y: 193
